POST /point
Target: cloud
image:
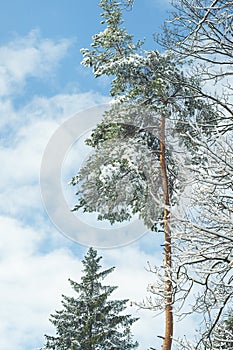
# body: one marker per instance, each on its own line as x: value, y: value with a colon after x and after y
x: 22, y: 148
x: 132, y: 279
x: 31, y: 284
x: 36, y: 261
x: 30, y: 56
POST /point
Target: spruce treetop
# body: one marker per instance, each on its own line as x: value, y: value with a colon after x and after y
x: 92, y: 321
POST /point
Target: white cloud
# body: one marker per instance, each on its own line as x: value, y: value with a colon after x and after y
x: 31, y: 281
x: 31, y: 284
x: 22, y: 150
x: 7, y: 112
x: 62, y: 106
x: 30, y: 56
x: 132, y: 279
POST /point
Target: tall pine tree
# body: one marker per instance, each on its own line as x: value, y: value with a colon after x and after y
x: 133, y: 170
x: 91, y: 321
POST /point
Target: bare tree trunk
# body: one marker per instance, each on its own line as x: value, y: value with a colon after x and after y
x: 167, y: 342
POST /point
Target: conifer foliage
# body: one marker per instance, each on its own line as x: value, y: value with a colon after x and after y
x: 223, y: 334
x: 135, y: 167
x: 91, y: 321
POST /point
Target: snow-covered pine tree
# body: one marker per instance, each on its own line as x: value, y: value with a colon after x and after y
x: 92, y: 321
x: 132, y: 170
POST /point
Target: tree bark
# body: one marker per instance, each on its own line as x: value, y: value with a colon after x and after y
x: 167, y: 342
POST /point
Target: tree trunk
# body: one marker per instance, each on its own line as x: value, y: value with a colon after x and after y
x: 167, y: 342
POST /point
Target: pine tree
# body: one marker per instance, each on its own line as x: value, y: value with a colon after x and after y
x: 91, y: 321
x: 132, y: 170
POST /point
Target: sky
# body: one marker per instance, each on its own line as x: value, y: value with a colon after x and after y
x: 42, y: 86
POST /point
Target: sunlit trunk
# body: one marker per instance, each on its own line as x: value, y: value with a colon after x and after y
x: 167, y: 342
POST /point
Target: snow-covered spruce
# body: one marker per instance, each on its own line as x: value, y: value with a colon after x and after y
x: 92, y: 320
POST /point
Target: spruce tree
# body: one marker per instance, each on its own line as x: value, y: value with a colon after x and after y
x: 223, y: 334
x: 91, y: 321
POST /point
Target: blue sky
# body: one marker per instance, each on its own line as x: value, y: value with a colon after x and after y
x: 42, y: 84
x: 65, y: 20
x: 76, y: 22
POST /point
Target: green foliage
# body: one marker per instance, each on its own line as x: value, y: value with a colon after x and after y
x: 123, y: 177
x: 112, y: 44
x: 91, y: 321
